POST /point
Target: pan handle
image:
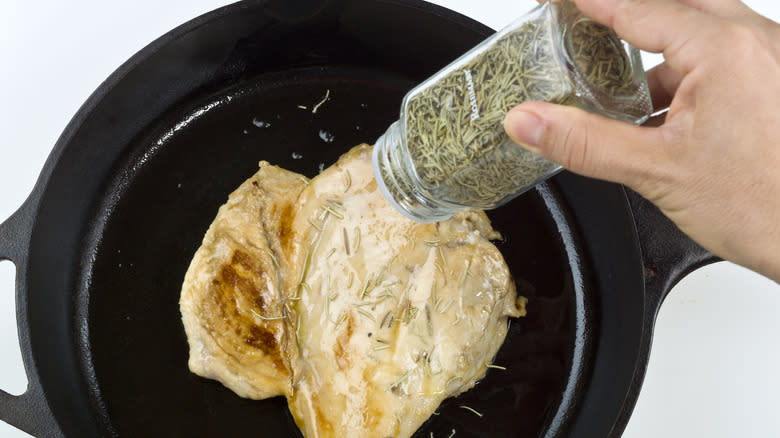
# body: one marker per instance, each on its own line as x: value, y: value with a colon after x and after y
x: 668, y: 254
x: 30, y: 411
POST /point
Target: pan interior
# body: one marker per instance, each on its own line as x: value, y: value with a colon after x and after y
x: 165, y: 192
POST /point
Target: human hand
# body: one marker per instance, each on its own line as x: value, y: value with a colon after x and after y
x: 713, y: 164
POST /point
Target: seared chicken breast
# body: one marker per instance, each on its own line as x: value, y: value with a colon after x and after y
x: 232, y: 298
x: 375, y: 319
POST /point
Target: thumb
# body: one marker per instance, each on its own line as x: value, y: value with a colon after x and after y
x: 586, y: 143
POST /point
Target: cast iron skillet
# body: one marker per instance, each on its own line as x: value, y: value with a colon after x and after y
x: 102, y: 243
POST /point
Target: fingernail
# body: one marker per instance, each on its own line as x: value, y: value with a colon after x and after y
x: 525, y: 128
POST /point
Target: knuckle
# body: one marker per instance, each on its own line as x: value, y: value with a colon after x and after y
x: 663, y: 172
x: 625, y: 13
x: 672, y: 136
x: 574, y: 150
x: 740, y: 34
x: 742, y: 38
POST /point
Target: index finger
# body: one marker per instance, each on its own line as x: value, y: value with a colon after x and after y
x: 652, y: 25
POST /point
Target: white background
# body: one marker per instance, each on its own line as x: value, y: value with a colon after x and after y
x: 714, y: 366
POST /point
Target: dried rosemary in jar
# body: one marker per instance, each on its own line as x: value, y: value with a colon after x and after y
x: 448, y: 151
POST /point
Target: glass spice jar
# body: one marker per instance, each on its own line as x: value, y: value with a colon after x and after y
x: 448, y: 151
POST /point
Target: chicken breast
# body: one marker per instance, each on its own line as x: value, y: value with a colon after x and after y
x: 394, y: 316
x: 232, y: 299
x: 375, y: 319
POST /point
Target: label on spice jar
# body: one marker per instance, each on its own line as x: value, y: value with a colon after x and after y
x: 472, y: 95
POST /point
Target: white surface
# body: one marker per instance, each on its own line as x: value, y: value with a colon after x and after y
x: 713, y: 368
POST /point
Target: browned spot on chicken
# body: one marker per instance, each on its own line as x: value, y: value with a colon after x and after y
x: 262, y: 339
x: 224, y: 291
x: 338, y: 351
x: 285, y: 225
x: 238, y: 279
x: 240, y: 258
x: 351, y: 323
x: 341, y: 348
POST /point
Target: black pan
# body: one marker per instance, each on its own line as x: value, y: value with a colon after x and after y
x: 103, y: 242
